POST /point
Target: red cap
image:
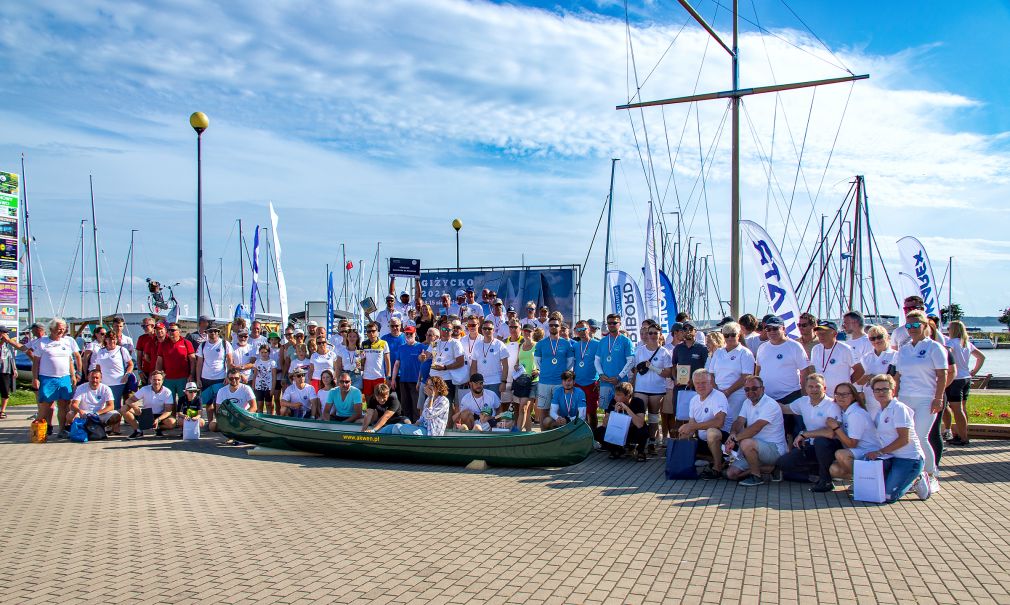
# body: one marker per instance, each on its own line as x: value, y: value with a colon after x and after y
x: 409, y: 330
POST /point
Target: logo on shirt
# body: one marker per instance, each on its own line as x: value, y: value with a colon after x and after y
x: 706, y: 410
x: 832, y: 362
x: 886, y: 420
x: 732, y: 358
x: 922, y: 353
x: 779, y: 356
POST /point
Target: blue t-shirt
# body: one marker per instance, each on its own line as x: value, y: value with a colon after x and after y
x: 585, y: 361
x: 410, y: 367
x: 613, y: 353
x: 569, y: 403
x: 554, y: 358
x: 394, y: 342
x: 344, y: 407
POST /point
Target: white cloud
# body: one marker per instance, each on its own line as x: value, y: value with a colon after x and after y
x: 351, y: 115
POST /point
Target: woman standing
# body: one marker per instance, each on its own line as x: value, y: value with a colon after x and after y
x: 425, y: 319
x: 653, y: 364
x: 322, y: 360
x: 921, y: 366
x: 901, y: 449
x: 879, y: 360
x: 957, y: 393
x: 349, y: 357
x: 524, y: 389
x: 97, y: 342
x: 713, y: 342
x: 116, y: 365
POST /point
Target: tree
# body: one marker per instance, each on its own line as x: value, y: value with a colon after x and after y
x: 1004, y: 316
x: 951, y: 313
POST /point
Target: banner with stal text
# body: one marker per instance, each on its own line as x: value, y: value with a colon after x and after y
x: 627, y: 302
x: 772, y: 274
x: 915, y: 262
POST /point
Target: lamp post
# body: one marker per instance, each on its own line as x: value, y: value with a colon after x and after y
x: 199, y: 121
x: 457, y: 225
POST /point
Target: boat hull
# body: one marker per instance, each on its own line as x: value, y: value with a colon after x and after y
x: 563, y: 446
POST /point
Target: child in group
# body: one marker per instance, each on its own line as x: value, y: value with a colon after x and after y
x: 264, y: 376
x: 326, y: 384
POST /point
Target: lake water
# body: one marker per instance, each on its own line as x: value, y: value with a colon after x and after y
x: 997, y: 362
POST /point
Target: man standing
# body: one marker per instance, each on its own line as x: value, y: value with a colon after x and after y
x: 781, y: 363
x: 386, y: 315
x: 459, y: 307
x: 498, y: 320
x: 490, y: 359
x: 531, y: 314
x: 143, y: 341
x: 56, y: 364
x: 124, y: 340
x: 594, y: 329
x: 543, y: 319
x: 394, y: 340
x: 200, y: 335
x: 407, y: 371
x: 853, y: 323
x: 256, y: 336
x: 472, y: 307
x: 834, y: 360
x: 900, y: 334
x: 449, y: 357
x: 807, y: 324
x: 586, y: 376
x: 176, y: 357
x: 554, y: 356
x: 759, y: 433
x: 615, y: 355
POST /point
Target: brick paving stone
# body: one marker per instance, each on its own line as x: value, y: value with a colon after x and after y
x: 319, y: 530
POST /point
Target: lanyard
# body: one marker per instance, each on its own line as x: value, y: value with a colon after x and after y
x: 611, y: 341
x: 825, y: 361
x: 583, y: 349
x: 554, y: 344
x: 569, y: 400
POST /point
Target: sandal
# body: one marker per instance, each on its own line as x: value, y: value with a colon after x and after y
x: 3, y: 415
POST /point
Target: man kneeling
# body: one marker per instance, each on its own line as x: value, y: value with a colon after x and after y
x: 760, y: 434
x: 383, y: 411
x: 92, y: 397
x: 638, y: 432
x: 707, y: 418
x: 567, y: 403
x: 476, y: 406
x: 155, y: 397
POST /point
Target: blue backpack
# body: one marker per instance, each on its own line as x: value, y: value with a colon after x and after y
x: 78, y: 434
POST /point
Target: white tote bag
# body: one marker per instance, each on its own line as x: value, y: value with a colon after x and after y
x: 683, y: 411
x: 191, y: 429
x: 868, y: 480
x: 617, y: 428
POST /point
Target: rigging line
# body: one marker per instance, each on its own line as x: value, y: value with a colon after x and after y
x: 711, y: 165
x: 799, y: 168
x: 816, y: 37
x: 815, y: 257
x: 593, y: 241
x: 827, y: 164
x: 70, y: 277
x: 638, y: 89
x: 708, y: 216
x: 662, y: 56
x: 634, y: 206
x: 769, y: 174
x: 764, y: 30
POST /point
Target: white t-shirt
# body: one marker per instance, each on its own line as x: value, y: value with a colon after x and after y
x: 214, y: 367
x: 445, y: 353
x: 834, y: 363
x: 781, y: 365
x: 501, y: 325
x: 815, y: 417
x: 900, y: 336
x: 113, y: 364
x: 384, y: 316
x: 703, y: 411
x: 469, y: 346
x: 243, y: 396
x: 126, y: 342
x: 753, y: 342
x: 961, y: 357
x: 650, y: 382
x: 895, y: 416
x: 305, y: 364
x: 766, y: 409
x: 859, y: 425
x: 55, y: 355
x: 375, y: 361
x: 92, y: 346
x: 487, y: 399
x: 473, y: 308
x: 303, y: 396
x: 322, y: 362
x: 157, y: 402
x: 861, y: 346
x: 729, y: 366
x: 90, y: 401
x: 489, y: 356
x: 242, y: 355
x: 264, y: 373
x: 917, y: 365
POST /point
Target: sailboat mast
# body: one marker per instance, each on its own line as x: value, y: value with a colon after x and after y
x: 869, y: 248
x: 855, y: 251
x: 82, y: 268
x: 241, y: 265
x: 94, y: 241
x: 610, y: 220
x: 28, y: 245
x: 735, y: 171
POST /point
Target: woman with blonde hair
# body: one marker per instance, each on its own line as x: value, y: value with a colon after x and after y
x: 856, y: 431
x: 878, y: 360
x: 714, y: 341
x: 961, y: 348
x: 900, y: 447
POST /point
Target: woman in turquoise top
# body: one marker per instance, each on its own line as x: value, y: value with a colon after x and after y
x: 343, y: 404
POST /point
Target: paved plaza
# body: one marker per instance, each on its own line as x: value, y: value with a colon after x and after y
x: 166, y: 521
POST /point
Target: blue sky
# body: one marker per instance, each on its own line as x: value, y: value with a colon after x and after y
x: 382, y: 122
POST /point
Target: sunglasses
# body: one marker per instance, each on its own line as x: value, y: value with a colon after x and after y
x: 580, y: 329
x: 881, y: 389
x: 804, y: 324
x: 553, y: 325
x: 752, y: 389
x: 372, y: 331
x: 443, y: 329
x: 233, y: 378
x: 914, y: 325
x: 486, y: 329
x: 345, y: 382
x: 734, y: 335
x: 876, y: 338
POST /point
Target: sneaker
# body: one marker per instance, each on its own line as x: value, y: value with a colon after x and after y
x: 64, y: 434
x: 776, y: 475
x: 934, y: 484
x: 651, y: 448
x: 822, y: 487
x: 921, y: 486
x: 957, y: 441
x: 158, y: 433
x: 948, y: 435
x: 136, y: 434
x: 752, y: 481
x: 708, y: 474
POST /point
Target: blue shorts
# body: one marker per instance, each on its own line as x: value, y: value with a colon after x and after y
x: 209, y: 393
x: 52, y: 388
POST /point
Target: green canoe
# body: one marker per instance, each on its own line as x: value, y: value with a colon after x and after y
x: 563, y: 446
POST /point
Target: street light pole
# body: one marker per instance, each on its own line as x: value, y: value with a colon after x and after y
x: 457, y: 225
x: 199, y: 121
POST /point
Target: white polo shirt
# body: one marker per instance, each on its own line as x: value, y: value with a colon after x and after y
x: 703, y: 411
x: 729, y: 366
x: 835, y: 363
x: 896, y: 416
x: 156, y: 402
x: 766, y: 409
x: 815, y: 417
x: 90, y: 401
x: 917, y: 365
x: 781, y: 365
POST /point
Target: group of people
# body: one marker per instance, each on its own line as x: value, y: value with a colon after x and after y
x: 761, y: 405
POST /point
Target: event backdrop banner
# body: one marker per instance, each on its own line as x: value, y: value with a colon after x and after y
x: 771, y: 272
x: 915, y: 262
x: 10, y: 231
x: 627, y: 302
x: 552, y: 287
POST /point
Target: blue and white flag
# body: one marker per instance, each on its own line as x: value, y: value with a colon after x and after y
x: 771, y: 272
x: 254, y: 289
x: 650, y: 285
x: 667, y: 303
x: 282, y: 288
x: 916, y: 263
x: 627, y: 301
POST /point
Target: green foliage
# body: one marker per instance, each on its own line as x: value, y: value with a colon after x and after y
x: 950, y: 313
x: 1004, y: 316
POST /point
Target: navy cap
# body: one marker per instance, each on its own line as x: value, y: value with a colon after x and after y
x: 772, y: 321
x: 826, y: 325
x: 592, y: 323
x: 677, y: 326
x: 724, y: 321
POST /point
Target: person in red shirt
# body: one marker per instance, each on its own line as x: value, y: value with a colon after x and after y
x: 177, y: 359
x: 144, y: 351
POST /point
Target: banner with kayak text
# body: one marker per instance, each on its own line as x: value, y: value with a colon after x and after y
x: 627, y: 302
x: 772, y: 274
x: 915, y: 262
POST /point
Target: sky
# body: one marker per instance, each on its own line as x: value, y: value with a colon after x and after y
x: 381, y: 122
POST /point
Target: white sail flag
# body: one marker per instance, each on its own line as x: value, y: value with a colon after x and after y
x: 770, y: 270
x: 916, y: 263
x: 650, y: 285
x: 281, y: 285
x: 627, y: 302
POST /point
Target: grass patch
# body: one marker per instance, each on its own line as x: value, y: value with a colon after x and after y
x: 988, y: 409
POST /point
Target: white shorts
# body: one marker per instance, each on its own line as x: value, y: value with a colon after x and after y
x: 107, y: 416
x: 768, y: 453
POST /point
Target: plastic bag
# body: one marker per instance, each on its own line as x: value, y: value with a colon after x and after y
x: 191, y: 429
x: 95, y: 427
x: 37, y: 431
x: 78, y: 430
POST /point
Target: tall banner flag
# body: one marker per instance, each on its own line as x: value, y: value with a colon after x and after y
x: 772, y: 274
x: 627, y: 301
x: 916, y: 263
x: 254, y: 288
x: 10, y: 231
x: 650, y: 284
x: 668, y: 303
x: 329, y: 305
x: 282, y: 287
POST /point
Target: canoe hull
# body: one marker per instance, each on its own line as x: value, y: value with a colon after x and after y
x: 564, y: 446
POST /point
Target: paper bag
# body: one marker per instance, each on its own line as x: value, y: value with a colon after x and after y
x: 617, y: 428
x: 868, y: 480
x: 191, y: 429
x: 683, y: 411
